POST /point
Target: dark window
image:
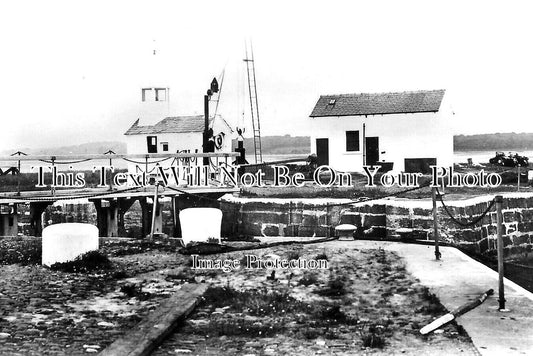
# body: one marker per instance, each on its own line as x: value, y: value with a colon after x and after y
x: 352, y: 141
x: 165, y: 146
x: 152, y: 144
x: 11, y: 221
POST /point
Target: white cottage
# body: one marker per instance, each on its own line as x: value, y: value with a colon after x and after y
x: 178, y: 134
x: 411, y: 130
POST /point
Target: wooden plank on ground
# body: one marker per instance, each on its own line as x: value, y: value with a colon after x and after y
x: 149, y: 333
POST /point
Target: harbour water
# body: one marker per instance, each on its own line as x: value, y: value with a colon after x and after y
x: 26, y: 167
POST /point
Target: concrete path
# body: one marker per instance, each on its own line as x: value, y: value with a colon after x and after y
x: 457, y: 279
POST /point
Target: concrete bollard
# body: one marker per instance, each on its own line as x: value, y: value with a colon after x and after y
x: 200, y: 224
x: 345, y: 231
x: 65, y: 242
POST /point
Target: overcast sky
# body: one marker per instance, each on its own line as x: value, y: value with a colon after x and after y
x: 71, y: 72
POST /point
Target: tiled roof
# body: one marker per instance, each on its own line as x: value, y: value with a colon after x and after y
x: 176, y: 124
x: 378, y: 103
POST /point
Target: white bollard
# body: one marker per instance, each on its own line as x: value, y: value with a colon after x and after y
x: 65, y: 242
x: 200, y: 224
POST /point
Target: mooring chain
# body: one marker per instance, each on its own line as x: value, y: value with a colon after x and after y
x: 365, y: 200
x: 65, y: 162
x: 69, y: 197
x: 473, y: 222
x: 140, y: 162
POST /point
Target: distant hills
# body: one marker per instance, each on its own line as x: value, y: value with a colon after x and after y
x: 493, y: 142
x: 288, y: 144
x: 84, y: 148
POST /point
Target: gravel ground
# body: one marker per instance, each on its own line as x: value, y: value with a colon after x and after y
x: 364, y: 293
x: 378, y: 299
x: 45, y: 312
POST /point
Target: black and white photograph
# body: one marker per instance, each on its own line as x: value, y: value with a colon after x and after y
x: 263, y: 178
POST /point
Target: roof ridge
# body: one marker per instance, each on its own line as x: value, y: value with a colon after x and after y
x: 389, y: 92
x: 379, y: 103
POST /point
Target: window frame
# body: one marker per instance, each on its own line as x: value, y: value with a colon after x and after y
x: 353, y: 146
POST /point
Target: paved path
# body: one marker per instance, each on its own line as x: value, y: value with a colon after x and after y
x: 458, y: 279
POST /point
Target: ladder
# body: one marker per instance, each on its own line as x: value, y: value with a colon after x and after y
x: 254, y: 107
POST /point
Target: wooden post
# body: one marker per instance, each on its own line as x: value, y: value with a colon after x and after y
x: 501, y: 293
x: 443, y: 320
x: 290, y: 218
x: 154, y: 210
x: 435, y: 223
x: 518, y: 170
x: 327, y: 220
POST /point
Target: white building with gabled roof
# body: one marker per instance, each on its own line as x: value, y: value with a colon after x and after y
x: 410, y: 130
x: 178, y: 134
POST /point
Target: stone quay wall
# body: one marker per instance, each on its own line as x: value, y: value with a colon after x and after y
x: 382, y: 219
x: 295, y: 217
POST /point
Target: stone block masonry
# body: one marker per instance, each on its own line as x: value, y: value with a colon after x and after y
x: 381, y: 219
x: 279, y: 217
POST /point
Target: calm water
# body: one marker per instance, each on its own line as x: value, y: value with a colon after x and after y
x: 459, y: 157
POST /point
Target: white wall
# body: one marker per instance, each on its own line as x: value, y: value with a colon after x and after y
x: 420, y: 135
x: 192, y: 141
x: 176, y: 141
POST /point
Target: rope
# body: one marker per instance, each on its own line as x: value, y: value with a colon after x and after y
x: 378, y: 198
x: 65, y: 162
x: 473, y: 222
x: 140, y: 162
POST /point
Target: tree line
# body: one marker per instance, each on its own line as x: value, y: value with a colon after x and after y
x: 496, y: 141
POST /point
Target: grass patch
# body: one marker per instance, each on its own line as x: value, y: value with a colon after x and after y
x: 255, y: 302
x: 373, y: 340
x: 334, y: 288
x: 332, y: 314
x: 308, y: 279
x: 124, y: 247
x: 88, y: 262
x: 373, y: 336
x: 241, y: 327
x: 26, y: 251
x: 293, y: 255
x: 132, y: 290
x: 322, y: 256
x: 431, y: 303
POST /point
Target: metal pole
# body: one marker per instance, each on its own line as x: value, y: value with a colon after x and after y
x: 501, y: 293
x: 435, y: 223
x: 206, y: 128
x: 18, y: 178
x: 364, y: 144
x: 154, y: 209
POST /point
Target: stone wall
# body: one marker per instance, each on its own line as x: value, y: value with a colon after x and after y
x: 382, y: 219
x: 278, y: 218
